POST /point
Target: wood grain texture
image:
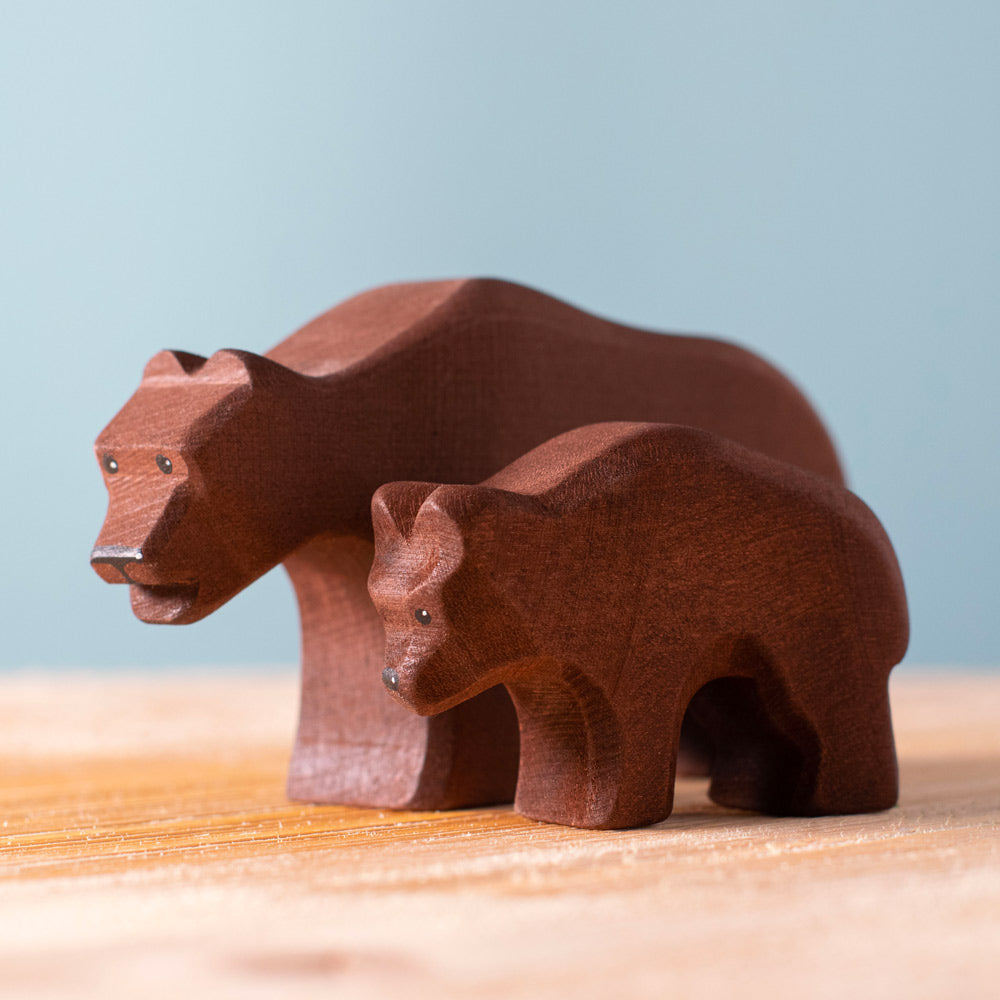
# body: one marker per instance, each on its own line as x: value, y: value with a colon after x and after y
x: 148, y: 850
x: 622, y: 575
x: 218, y: 469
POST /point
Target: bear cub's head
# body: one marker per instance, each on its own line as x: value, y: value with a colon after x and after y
x: 449, y: 590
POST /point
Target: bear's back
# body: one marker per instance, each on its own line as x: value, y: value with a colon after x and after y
x: 520, y: 366
x: 358, y: 327
x: 723, y: 530
x: 466, y: 309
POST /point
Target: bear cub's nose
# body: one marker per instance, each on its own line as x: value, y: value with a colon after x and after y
x: 390, y: 679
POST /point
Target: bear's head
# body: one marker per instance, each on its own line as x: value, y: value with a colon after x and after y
x: 451, y: 589
x: 196, y: 474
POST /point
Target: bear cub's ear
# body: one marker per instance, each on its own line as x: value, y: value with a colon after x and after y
x: 466, y: 520
x: 395, y: 507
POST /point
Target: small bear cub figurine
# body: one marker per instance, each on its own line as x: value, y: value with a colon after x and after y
x: 621, y: 575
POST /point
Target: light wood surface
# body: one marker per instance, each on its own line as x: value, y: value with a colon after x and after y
x: 148, y: 850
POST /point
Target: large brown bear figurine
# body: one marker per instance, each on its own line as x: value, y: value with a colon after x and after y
x: 220, y: 469
x: 620, y: 571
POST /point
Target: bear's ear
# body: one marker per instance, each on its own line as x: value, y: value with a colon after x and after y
x: 395, y: 507
x: 241, y: 368
x: 172, y: 364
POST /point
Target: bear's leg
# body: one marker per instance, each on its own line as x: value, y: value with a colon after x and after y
x: 851, y: 766
x: 755, y: 764
x: 582, y: 765
x: 800, y: 731
x: 355, y: 745
x: 645, y: 790
x: 833, y: 705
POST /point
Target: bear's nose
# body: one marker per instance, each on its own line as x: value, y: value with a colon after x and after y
x: 117, y: 556
x: 390, y: 679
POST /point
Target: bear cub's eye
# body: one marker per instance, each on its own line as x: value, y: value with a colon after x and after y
x: 423, y: 616
x: 166, y: 466
x: 110, y: 464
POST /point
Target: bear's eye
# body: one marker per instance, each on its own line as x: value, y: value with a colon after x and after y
x: 110, y: 465
x: 166, y: 466
x: 423, y: 616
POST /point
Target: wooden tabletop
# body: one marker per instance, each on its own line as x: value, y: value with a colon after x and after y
x: 148, y: 850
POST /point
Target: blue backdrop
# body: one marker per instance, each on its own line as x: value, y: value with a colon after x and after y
x: 818, y: 181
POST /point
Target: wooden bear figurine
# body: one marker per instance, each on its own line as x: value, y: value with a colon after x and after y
x: 620, y: 572
x: 220, y: 469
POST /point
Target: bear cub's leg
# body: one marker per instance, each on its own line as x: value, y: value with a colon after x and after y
x: 856, y: 769
x: 838, y: 757
x: 584, y: 765
x: 755, y: 765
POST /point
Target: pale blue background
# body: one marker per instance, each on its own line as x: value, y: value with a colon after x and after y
x: 820, y: 181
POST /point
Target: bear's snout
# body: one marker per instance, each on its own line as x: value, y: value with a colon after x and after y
x: 113, y: 561
x: 404, y: 681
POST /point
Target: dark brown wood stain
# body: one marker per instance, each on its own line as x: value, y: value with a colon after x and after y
x: 619, y: 573
x: 274, y: 460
